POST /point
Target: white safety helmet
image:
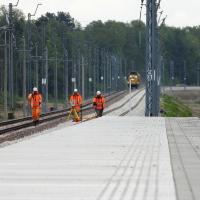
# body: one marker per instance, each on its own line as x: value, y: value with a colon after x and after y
x: 98, y: 92
x: 35, y: 89
x: 75, y: 90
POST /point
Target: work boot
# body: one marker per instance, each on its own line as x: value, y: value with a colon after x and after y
x: 36, y: 122
x: 77, y: 120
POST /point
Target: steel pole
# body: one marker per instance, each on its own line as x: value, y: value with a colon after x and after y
x: 151, y: 59
x: 83, y: 77
x: 66, y: 75
x: 172, y: 72
x: 185, y: 74
x: 56, y: 82
x: 97, y: 69
x: 24, y: 77
x: 198, y: 75
x: 5, y: 79
x: 29, y: 52
x: 163, y: 74
x: 107, y: 72
x: 11, y: 98
x: 89, y: 71
x: 110, y: 72
x: 94, y: 71
x: 130, y: 96
x: 46, y: 77
x: 104, y: 71
x: 36, y: 66
x: 79, y: 70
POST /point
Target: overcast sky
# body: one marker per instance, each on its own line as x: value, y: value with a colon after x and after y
x: 179, y: 12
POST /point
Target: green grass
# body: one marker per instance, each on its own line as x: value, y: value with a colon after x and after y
x: 174, y: 108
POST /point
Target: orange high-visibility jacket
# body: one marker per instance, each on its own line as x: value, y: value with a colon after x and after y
x: 76, y: 101
x: 35, y: 100
x: 99, y: 102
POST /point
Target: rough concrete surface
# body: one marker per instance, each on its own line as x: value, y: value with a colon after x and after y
x: 184, y: 141
x: 109, y: 158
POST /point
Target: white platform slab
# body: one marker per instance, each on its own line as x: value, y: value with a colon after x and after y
x: 111, y: 158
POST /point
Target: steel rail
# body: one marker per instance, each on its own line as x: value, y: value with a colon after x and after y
x: 132, y: 108
x: 23, y: 119
x: 50, y: 116
x: 123, y: 104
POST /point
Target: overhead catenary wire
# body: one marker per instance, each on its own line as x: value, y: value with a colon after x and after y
x: 142, y: 4
x: 160, y: 16
x: 163, y: 21
x: 158, y: 4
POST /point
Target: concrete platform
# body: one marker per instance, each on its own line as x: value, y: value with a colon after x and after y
x: 184, y: 140
x: 112, y: 158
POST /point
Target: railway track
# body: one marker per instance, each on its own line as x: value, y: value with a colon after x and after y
x: 124, y: 103
x: 133, y: 107
x: 20, y: 128
x: 22, y: 123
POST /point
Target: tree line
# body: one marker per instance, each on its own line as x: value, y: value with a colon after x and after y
x: 107, y: 49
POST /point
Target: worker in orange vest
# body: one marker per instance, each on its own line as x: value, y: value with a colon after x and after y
x: 76, y: 103
x: 35, y: 101
x: 99, y: 104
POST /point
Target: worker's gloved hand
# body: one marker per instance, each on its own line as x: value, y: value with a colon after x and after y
x: 72, y: 103
x: 94, y: 103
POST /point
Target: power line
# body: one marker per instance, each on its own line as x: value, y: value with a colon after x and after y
x: 163, y: 20
x: 160, y: 17
x: 158, y: 4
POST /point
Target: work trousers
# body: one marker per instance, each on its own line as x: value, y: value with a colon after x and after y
x: 99, y: 113
x: 76, y: 115
x: 36, y: 113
